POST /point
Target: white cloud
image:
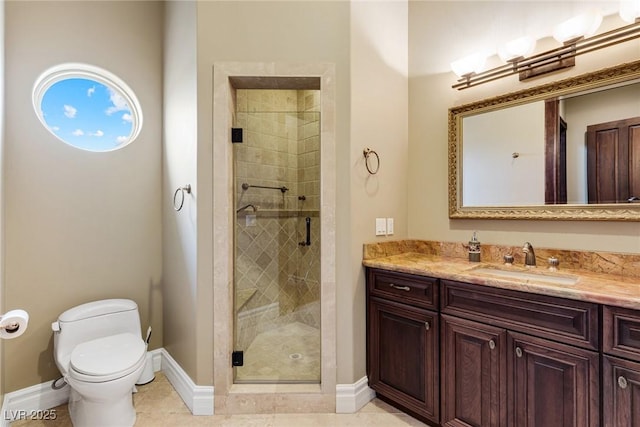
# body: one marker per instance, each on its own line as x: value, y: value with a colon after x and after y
x: 122, y: 139
x: 69, y: 111
x: 97, y: 133
x: 127, y: 117
x: 77, y: 132
x: 119, y: 103
x: 91, y: 91
x: 55, y: 128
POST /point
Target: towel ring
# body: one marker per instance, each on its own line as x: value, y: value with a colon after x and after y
x: 180, y: 191
x: 368, y: 152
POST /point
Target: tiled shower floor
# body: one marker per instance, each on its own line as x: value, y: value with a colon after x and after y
x: 290, y: 353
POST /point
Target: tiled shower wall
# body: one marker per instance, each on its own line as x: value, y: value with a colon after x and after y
x: 277, y: 279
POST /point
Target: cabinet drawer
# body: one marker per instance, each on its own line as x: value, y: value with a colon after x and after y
x: 568, y: 321
x: 406, y: 288
x: 621, y: 332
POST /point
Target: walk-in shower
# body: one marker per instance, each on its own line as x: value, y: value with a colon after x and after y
x: 277, y: 236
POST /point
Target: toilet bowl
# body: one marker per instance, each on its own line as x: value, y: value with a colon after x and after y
x: 99, y: 350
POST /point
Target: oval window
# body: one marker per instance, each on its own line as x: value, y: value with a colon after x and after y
x: 87, y: 107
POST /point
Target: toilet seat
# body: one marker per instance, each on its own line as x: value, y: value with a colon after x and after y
x: 108, y: 358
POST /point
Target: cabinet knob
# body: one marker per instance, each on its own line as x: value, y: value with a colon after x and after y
x: 518, y: 352
x: 427, y: 326
x: 402, y: 288
x: 622, y: 382
x: 492, y: 344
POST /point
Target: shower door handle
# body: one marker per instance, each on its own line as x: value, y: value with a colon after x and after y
x: 307, y: 242
x: 308, y: 221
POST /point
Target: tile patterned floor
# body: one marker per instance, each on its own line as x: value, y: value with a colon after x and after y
x: 158, y: 405
x: 288, y: 353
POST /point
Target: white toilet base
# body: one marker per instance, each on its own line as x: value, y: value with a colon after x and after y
x: 112, y: 413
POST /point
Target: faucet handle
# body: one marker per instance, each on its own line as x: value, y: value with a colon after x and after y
x: 553, y: 263
x: 508, y: 259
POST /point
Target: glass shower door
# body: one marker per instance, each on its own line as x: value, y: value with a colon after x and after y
x: 277, y: 232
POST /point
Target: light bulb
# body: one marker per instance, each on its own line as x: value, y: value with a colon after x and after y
x: 469, y: 64
x: 579, y: 26
x: 630, y: 10
x: 518, y: 48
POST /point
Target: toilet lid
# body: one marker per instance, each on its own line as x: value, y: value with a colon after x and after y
x: 108, y: 355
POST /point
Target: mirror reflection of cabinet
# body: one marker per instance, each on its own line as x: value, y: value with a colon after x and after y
x: 613, y: 161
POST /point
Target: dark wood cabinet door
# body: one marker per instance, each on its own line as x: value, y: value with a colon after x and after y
x: 473, y: 374
x: 551, y: 384
x: 404, y: 356
x: 621, y: 392
x: 613, y: 161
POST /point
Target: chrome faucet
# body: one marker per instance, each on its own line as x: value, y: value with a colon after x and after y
x: 529, y: 255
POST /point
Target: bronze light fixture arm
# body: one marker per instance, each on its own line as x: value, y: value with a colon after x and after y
x: 552, y: 60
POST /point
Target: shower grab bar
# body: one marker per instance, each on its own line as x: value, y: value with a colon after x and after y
x: 247, y: 207
x: 307, y: 242
x: 246, y: 186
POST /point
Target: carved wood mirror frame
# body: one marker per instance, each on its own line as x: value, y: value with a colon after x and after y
x: 582, y: 212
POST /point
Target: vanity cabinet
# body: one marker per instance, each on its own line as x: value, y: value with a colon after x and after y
x: 505, y: 360
x: 473, y: 373
x: 552, y: 384
x: 621, y: 367
x: 457, y: 354
x: 402, y: 341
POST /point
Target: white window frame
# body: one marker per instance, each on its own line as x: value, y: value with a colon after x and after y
x: 65, y: 71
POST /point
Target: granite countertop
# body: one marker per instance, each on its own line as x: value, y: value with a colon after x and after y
x: 617, y: 290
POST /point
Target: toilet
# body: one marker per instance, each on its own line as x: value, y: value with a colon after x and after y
x: 99, y: 350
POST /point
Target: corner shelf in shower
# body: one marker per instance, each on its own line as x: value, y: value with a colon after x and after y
x: 279, y: 213
x: 243, y: 296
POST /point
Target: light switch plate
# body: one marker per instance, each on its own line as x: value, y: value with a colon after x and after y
x: 381, y: 226
x: 389, y: 226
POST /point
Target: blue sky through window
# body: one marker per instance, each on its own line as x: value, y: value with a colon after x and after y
x: 87, y: 114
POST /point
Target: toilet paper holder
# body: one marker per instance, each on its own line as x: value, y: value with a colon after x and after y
x: 13, y: 324
x: 10, y: 327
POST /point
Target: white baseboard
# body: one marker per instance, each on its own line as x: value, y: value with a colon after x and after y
x: 351, y: 397
x: 32, y: 401
x: 199, y: 399
x: 25, y: 403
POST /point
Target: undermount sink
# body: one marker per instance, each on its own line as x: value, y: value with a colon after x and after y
x: 526, y: 275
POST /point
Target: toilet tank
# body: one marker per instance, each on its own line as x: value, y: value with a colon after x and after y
x: 90, y: 321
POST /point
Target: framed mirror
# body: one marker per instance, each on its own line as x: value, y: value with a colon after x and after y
x: 567, y: 150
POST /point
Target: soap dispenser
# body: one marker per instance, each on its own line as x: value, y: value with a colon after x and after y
x: 474, y: 248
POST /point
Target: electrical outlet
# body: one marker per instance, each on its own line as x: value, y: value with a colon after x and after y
x: 381, y: 226
x: 250, y: 221
x: 389, y: 226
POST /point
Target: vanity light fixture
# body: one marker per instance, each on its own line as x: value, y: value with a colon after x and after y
x: 580, y: 26
x: 469, y: 65
x: 517, y: 49
x: 630, y: 10
x: 576, y: 36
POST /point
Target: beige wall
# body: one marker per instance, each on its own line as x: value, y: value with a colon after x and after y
x: 371, y: 112
x: 179, y: 275
x: 431, y: 95
x: 379, y: 120
x: 79, y: 226
x: 2, y: 307
x: 256, y: 32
